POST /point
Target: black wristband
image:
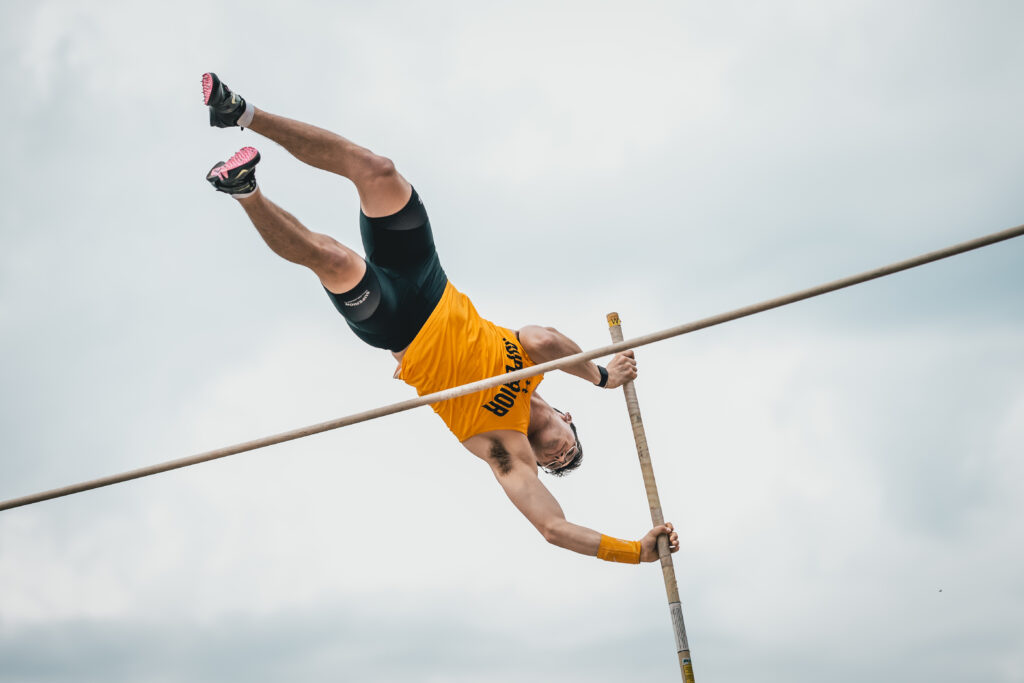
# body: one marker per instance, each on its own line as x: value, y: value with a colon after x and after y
x: 604, y: 375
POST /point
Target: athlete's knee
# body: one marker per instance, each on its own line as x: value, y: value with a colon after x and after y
x: 374, y: 168
x: 332, y: 260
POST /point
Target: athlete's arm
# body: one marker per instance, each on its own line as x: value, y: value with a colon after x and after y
x: 546, y: 343
x: 532, y: 498
x: 511, y: 459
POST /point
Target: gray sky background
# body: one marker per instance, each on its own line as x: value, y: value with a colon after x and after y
x: 832, y: 466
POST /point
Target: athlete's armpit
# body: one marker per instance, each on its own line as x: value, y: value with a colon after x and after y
x: 500, y: 457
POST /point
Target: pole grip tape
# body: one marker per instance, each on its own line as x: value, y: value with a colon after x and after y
x: 676, y: 609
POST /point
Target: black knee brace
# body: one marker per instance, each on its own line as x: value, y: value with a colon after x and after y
x: 360, y: 302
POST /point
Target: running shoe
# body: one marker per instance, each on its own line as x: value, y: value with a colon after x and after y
x: 225, y: 106
x: 237, y: 175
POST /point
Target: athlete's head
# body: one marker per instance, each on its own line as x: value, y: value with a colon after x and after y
x: 556, y: 446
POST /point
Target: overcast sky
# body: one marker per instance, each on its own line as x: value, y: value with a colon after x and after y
x: 845, y: 473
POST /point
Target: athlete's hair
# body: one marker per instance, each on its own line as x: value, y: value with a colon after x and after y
x: 575, y: 462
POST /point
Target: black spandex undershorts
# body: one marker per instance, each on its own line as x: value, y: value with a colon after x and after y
x: 403, y: 282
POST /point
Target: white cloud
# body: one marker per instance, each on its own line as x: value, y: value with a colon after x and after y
x: 831, y: 465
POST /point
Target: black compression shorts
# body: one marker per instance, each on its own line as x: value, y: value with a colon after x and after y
x: 403, y: 282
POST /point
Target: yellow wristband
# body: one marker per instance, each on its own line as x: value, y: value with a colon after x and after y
x: 617, y: 550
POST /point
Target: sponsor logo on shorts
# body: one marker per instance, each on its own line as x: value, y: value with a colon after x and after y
x: 359, y: 299
x: 505, y: 399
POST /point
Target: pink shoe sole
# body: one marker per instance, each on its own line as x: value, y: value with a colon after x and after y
x: 239, y: 158
x: 207, y: 88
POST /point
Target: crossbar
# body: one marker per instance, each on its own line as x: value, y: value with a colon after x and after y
x: 525, y: 373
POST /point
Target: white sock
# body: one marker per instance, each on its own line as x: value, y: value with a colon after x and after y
x: 246, y: 118
x: 243, y: 196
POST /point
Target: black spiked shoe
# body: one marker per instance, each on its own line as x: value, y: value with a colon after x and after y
x: 237, y: 175
x: 225, y: 106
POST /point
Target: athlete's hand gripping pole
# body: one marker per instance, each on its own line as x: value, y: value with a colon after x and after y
x: 669, y: 572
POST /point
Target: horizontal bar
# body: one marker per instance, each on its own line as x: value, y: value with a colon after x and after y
x: 525, y: 373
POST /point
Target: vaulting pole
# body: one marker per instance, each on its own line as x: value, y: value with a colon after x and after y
x: 657, y: 518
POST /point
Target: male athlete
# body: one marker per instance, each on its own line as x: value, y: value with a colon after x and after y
x: 399, y: 298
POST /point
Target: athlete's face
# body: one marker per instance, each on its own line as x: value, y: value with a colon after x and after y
x: 557, y: 443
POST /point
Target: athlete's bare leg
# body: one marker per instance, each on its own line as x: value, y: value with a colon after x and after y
x: 382, y: 190
x: 338, y: 267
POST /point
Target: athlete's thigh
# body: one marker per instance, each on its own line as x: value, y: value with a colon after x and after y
x: 399, y: 241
